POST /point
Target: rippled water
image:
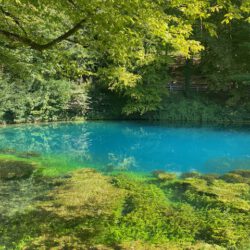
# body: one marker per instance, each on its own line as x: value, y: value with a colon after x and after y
x: 133, y: 146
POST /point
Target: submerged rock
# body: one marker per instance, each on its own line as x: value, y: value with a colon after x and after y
x: 12, y: 170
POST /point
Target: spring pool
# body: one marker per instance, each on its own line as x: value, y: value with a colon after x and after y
x: 131, y: 146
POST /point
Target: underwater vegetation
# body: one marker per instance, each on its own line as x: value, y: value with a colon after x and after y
x: 87, y: 209
x: 15, y: 170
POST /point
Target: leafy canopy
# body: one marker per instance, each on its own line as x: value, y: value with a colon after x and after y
x: 119, y: 40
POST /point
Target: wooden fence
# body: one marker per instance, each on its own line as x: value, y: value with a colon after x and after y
x: 180, y: 87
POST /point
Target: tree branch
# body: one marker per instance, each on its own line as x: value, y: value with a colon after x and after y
x: 15, y: 19
x: 76, y: 42
x: 34, y: 45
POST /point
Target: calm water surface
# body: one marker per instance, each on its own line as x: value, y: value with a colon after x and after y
x: 133, y: 146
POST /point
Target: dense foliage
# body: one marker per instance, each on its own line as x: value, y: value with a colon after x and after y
x: 64, y: 59
x: 200, y: 108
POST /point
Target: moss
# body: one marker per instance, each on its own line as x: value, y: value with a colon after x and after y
x: 75, y: 213
x: 85, y: 193
x: 8, y: 151
x: 234, y: 178
x: 190, y: 175
x: 87, y: 210
x: 49, y: 166
x: 227, y: 229
x: 164, y: 176
x: 219, y: 193
x: 29, y: 154
x: 11, y: 169
x: 148, y: 215
x: 138, y: 245
x: 210, y: 178
x: 244, y: 173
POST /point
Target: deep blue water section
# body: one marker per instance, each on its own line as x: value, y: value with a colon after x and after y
x: 134, y: 146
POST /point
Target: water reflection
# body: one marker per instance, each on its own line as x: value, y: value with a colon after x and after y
x: 48, y: 139
x: 122, y: 146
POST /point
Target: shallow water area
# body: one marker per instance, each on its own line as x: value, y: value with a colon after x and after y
x: 129, y: 146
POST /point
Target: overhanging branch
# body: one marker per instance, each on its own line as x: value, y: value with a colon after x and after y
x: 34, y: 45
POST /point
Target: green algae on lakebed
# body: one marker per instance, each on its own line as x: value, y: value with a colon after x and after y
x: 46, y: 165
x: 54, y: 166
x: 87, y: 209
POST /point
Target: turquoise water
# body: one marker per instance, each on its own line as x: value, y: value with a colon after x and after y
x: 133, y: 146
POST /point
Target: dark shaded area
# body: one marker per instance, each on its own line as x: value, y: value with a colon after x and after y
x: 10, y: 170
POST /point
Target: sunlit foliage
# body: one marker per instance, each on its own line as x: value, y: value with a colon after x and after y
x: 126, y: 46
